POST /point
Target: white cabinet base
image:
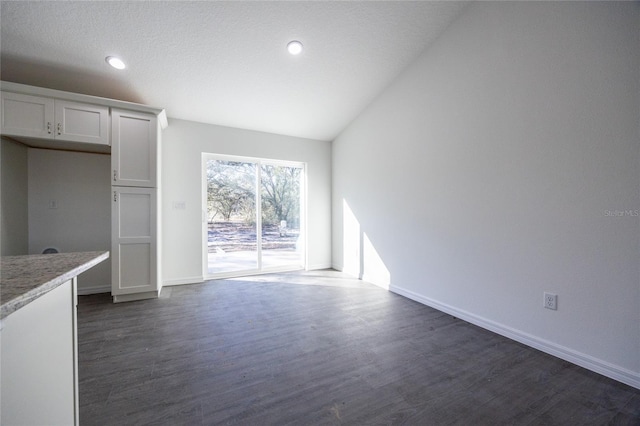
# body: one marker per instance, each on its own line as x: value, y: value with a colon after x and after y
x: 39, y: 361
x: 135, y: 296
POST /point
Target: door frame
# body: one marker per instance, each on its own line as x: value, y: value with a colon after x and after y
x: 206, y: 156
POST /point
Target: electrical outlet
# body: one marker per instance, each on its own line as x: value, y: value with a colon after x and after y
x: 550, y: 301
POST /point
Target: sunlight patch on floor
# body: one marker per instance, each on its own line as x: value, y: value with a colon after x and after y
x: 323, y: 277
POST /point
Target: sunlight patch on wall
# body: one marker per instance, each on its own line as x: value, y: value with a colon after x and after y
x: 359, y: 256
x: 374, y: 269
x: 350, y: 241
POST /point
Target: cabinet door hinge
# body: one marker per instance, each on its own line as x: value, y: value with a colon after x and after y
x: 59, y: 129
x: 48, y: 127
x: 115, y: 196
x: 115, y: 175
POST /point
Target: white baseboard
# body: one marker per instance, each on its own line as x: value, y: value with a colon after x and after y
x: 318, y: 266
x: 85, y: 291
x: 605, y: 368
x: 189, y: 280
x: 373, y: 280
x: 351, y: 272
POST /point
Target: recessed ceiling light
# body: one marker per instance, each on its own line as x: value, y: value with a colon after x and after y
x: 294, y: 47
x: 117, y: 63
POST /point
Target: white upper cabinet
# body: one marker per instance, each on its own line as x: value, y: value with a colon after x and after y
x: 134, y: 148
x: 26, y: 115
x: 77, y: 122
x: 46, y: 118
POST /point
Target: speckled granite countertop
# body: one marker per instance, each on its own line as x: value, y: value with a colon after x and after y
x: 25, y: 278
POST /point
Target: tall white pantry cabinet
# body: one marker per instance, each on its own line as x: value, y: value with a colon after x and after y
x: 46, y: 118
x: 134, y: 212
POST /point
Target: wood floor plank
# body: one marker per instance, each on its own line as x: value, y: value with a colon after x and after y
x: 319, y: 348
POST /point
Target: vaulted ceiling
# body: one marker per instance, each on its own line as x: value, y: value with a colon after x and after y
x: 224, y: 63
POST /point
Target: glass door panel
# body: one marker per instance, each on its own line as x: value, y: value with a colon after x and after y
x: 280, y: 213
x: 232, y: 228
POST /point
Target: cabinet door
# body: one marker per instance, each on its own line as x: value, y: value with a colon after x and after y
x: 77, y: 122
x: 25, y: 115
x: 38, y: 371
x: 134, y: 241
x: 134, y: 144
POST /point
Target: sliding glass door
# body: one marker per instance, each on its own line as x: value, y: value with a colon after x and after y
x: 254, y: 215
x: 280, y: 201
x: 232, y: 242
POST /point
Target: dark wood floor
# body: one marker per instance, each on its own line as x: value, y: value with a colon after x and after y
x: 317, y: 348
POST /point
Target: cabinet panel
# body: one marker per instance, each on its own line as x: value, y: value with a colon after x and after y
x: 134, y: 240
x: 136, y: 223
x: 134, y: 139
x: 26, y: 115
x: 77, y: 122
x: 135, y: 270
x: 39, y: 361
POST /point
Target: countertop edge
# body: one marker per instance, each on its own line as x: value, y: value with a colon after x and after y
x: 13, y: 305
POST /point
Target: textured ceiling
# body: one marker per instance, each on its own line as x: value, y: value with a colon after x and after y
x: 223, y: 62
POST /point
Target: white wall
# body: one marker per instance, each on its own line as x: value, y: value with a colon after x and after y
x: 80, y: 184
x: 14, y: 227
x: 491, y: 171
x: 183, y: 143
